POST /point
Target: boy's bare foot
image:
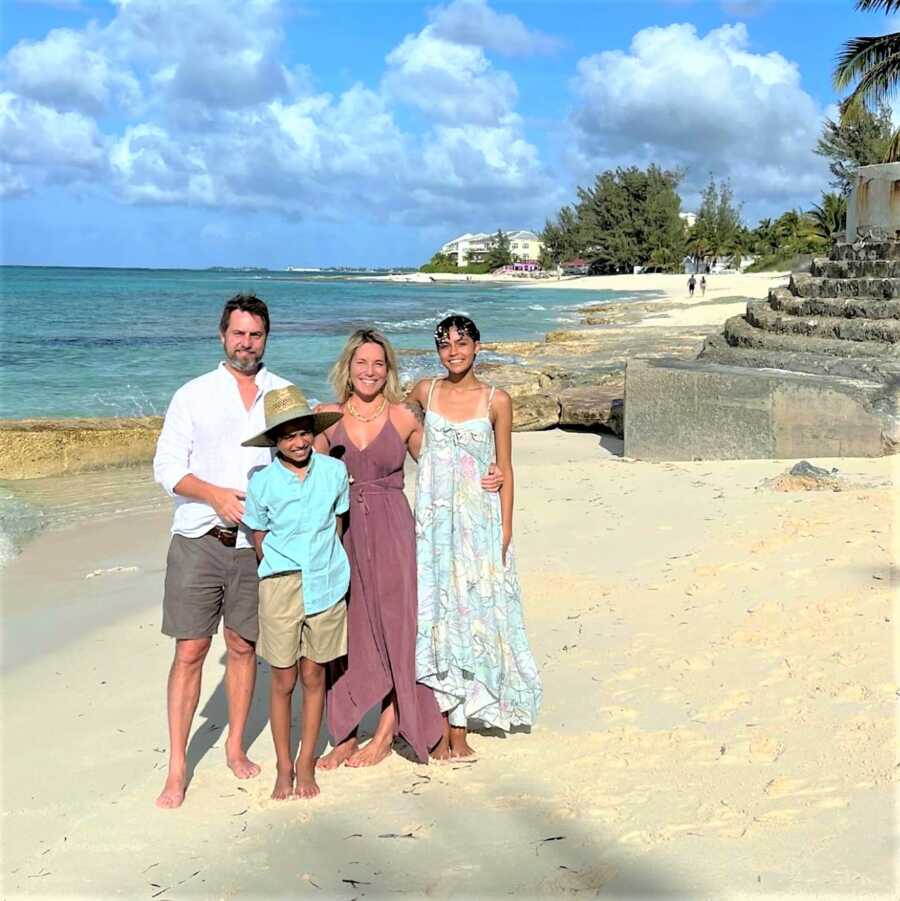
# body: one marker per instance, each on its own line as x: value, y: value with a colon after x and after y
x: 172, y: 795
x: 241, y: 765
x: 459, y: 747
x: 441, y: 751
x: 284, y: 785
x: 371, y: 755
x: 338, y: 755
x: 306, y: 781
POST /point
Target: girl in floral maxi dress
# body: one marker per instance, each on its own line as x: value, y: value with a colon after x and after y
x: 471, y: 644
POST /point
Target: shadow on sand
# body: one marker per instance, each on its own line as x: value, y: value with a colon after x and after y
x: 212, y: 719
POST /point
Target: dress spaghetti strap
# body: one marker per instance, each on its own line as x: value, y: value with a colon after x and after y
x: 490, y: 400
x: 430, y: 392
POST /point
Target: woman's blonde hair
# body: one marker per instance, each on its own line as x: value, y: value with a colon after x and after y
x: 340, y: 372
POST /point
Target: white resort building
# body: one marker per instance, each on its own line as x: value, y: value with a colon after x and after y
x: 474, y: 248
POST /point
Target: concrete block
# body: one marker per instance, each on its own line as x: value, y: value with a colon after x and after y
x: 874, y: 205
x: 682, y: 410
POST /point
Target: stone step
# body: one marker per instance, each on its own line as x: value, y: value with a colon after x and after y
x: 825, y: 268
x: 740, y: 333
x: 761, y: 315
x: 806, y: 285
x: 716, y: 349
x: 870, y: 250
x: 848, y: 307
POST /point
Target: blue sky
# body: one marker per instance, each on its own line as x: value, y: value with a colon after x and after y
x: 193, y: 133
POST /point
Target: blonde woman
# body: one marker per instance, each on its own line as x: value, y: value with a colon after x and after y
x: 373, y: 437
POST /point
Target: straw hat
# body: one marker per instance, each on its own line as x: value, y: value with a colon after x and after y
x: 284, y: 405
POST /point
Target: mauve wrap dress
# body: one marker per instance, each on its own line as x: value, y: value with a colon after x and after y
x: 382, y: 611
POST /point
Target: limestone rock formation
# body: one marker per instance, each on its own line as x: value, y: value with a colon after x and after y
x: 32, y: 448
x: 590, y: 406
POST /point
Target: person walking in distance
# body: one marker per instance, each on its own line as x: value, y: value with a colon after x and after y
x: 211, y: 564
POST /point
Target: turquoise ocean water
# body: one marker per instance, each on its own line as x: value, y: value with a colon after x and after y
x: 118, y: 342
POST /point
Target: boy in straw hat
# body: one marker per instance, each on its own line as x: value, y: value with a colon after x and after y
x: 294, y: 507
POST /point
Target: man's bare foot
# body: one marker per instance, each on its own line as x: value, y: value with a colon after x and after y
x: 306, y: 781
x: 242, y: 766
x: 441, y: 751
x: 172, y: 795
x: 338, y: 755
x: 371, y: 755
x: 459, y: 747
x: 284, y: 785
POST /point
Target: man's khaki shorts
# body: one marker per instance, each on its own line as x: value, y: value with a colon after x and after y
x: 286, y: 633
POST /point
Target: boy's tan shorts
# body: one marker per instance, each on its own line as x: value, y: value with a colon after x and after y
x: 286, y: 633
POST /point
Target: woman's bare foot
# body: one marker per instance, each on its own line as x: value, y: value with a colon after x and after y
x: 459, y: 747
x: 241, y: 765
x: 372, y: 754
x: 441, y: 751
x: 172, y: 795
x: 284, y: 785
x: 306, y: 781
x: 338, y: 755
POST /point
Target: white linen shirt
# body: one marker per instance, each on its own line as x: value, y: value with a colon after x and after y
x: 202, y: 433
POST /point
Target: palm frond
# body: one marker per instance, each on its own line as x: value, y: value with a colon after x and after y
x: 893, y: 151
x: 889, y: 6
x: 877, y: 85
x: 859, y: 55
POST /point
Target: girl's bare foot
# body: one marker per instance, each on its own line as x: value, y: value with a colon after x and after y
x: 338, y: 755
x: 241, y: 765
x: 284, y: 784
x: 306, y: 781
x: 372, y: 754
x: 172, y: 795
x: 459, y: 747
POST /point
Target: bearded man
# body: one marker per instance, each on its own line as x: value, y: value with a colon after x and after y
x: 211, y: 564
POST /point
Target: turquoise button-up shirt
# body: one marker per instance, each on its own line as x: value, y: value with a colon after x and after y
x: 299, y: 517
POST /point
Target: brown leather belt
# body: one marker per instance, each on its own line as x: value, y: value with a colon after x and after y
x: 228, y: 537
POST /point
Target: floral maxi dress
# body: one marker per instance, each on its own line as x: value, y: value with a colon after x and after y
x: 471, y: 644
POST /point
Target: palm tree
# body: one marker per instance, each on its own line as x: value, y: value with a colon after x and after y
x: 830, y: 216
x: 664, y: 259
x: 873, y: 63
x: 765, y: 240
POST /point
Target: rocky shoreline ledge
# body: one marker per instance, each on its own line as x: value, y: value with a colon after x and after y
x: 572, y: 379
x: 576, y: 378
x: 35, y: 448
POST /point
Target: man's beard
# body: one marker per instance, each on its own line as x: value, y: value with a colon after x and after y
x: 248, y: 365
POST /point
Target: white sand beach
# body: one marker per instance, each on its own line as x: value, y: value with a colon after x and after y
x: 719, y: 716
x: 731, y: 289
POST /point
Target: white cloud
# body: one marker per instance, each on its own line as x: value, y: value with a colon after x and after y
x: 209, y: 113
x: 448, y: 81
x: 706, y: 104
x: 65, y: 71
x: 482, y: 158
x: 215, y: 54
x: 474, y: 22
x: 12, y: 183
x: 150, y: 167
x: 34, y: 134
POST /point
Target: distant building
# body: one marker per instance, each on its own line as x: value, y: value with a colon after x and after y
x: 524, y: 246
x: 689, y: 219
x: 575, y: 266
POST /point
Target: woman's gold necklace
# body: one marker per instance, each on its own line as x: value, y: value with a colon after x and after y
x: 371, y: 418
